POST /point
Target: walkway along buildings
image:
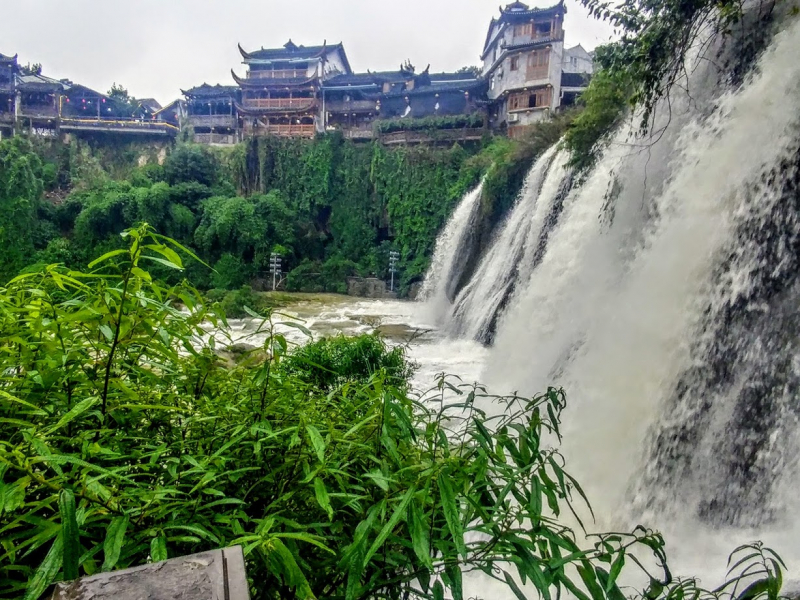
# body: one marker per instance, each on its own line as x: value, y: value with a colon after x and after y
x: 299, y: 91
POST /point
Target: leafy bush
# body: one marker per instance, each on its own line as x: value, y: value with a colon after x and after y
x: 330, y: 362
x: 191, y: 163
x: 124, y: 439
x: 429, y: 123
x: 230, y: 273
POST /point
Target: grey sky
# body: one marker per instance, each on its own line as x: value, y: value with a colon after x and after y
x: 156, y: 47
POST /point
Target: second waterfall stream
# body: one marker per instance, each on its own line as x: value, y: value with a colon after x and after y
x: 661, y: 291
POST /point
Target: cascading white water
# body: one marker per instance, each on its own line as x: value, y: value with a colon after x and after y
x: 478, y: 303
x: 664, y: 298
x: 624, y: 313
x: 447, y: 263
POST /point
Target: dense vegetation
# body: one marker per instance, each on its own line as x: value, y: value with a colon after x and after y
x: 331, y: 208
x: 123, y: 439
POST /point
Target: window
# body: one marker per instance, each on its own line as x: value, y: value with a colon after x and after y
x: 524, y: 29
x: 538, y: 64
x: 539, y: 98
x: 573, y: 61
x: 514, y: 63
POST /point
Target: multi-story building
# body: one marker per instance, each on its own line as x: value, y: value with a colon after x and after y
x: 280, y: 94
x: 8, y: 73
x: 211, y: 113
x: 524, y: 63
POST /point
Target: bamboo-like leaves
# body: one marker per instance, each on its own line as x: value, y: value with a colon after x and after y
x: 69, y: 534
x: 112, y: 546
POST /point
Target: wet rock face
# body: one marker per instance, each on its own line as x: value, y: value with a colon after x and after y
x: 216, y: 575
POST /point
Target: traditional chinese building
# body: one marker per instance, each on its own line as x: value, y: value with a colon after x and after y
x: 211, y: 112
x: 354, y: 101
x: 8, y: 71
x: 280, y: 94
x: 522, y: 62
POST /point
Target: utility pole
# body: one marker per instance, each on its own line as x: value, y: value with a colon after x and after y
x: 394, y: 256
x: 274, y: 268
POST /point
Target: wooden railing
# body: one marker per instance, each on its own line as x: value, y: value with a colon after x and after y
x: 38, y: 111
x: 301, y: 103
x: 118, y: 124
x: 534, y: 73
x: 358, y: 133
x: 213, y: 121
x: 282, y: 74
x: 340, y: 106
x: 432, y: 136
x: 293, y: 130
x: 214, y: 138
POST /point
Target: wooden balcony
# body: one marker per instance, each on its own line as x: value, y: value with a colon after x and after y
x: 228, y: 121
x: 278, y: 103
x: 298, y: 131
x: 215, y: 138
x: 339, y: 106
x: 132, y: 126
x: 38, y: 112
x: 354, y: 133
x: 282, y: 74
x: 436, y: 136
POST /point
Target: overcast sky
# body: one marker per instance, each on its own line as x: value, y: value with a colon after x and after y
x: 155, y: 48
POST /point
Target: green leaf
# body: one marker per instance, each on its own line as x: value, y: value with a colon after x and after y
x: 619, y: 562
x: 754, y: 590
x: 105, y: 257
x: 163, y: 261
x: 419, y: 528
x: 317, y: 441
x: 514, y: 587
x: 452, y: 514
x: 453, y: 571
x: 283, y: 563
x: 76, y: 411
x: 399, y: 513
x: 613, y: 593
x: 438, y: 590
x: 69, y: 533
x: 321, y: 492
x: 107, y: 332
x: 47, y: 571
x: 158, y: 549
x: 112, y: 546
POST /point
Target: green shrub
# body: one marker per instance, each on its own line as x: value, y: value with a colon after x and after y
x: 230, y: 272
x: 330, y: 362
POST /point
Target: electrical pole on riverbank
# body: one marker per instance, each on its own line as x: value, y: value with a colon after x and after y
x: 274, y: 268
x: 394, y: 256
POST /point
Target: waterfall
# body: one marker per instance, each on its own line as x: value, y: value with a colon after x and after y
x: 477, y: 306
x: 663, y: 294
x: 447, y: 265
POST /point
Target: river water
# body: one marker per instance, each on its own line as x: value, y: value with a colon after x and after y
x: 401, y: 323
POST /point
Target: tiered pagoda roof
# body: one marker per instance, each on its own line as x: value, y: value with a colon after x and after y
x: 291, y: 52
x: 424, y: 83
x: 211, y: 91
x: 519, y: 12
x: 516, y: 13
x: 264, y: 82
x: 40, y: 83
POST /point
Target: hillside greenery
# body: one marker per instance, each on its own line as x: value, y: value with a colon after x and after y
x: 124, y: 439
x: 330, y: 207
